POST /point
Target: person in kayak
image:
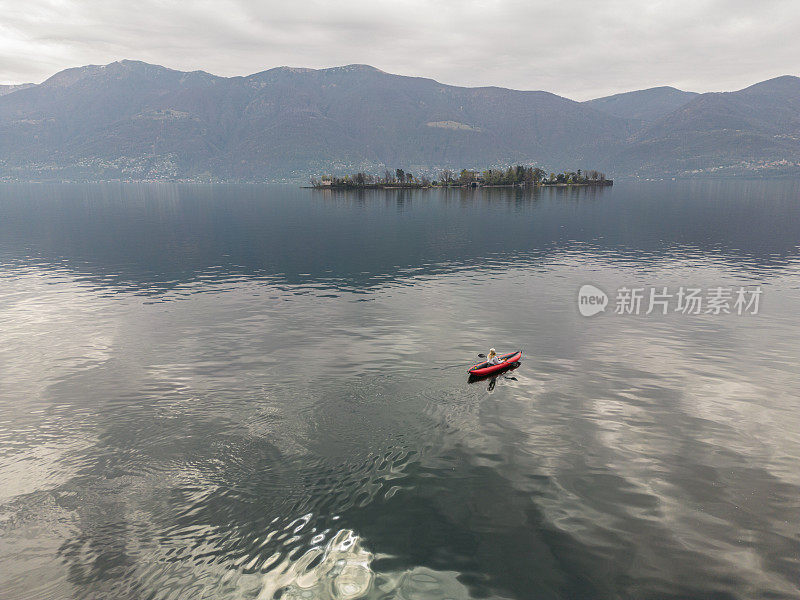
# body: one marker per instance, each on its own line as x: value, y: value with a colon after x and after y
x: 492, y: 357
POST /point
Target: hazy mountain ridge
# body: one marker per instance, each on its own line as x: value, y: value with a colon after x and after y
x: 643, y: 105
x: 7, y: 89
x: 133, y: 120
x: 755, y: 130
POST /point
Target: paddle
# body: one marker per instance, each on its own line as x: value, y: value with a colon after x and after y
x: 484, y: 356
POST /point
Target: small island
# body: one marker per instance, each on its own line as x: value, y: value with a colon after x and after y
x: 516, y: 176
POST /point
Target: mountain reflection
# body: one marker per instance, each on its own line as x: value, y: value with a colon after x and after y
x: 153, y: 238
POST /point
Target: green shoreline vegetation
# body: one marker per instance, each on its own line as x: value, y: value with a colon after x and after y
x: 516, y: 176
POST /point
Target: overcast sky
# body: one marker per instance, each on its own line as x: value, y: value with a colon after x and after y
x: 577, y: 48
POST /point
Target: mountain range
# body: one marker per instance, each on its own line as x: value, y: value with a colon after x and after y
x: 133, y: 120
x: 7, y: 89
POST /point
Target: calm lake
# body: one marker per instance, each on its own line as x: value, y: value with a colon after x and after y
x: 226, y: 392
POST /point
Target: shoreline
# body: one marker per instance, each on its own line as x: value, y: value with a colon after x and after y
x: 383, y: 186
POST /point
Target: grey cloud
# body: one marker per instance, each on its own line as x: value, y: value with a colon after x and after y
x: 576, y: 48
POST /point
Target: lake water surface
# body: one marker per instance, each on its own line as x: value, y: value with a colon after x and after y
x: 260, y: 392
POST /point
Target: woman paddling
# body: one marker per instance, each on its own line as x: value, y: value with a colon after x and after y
x: 492, y: 357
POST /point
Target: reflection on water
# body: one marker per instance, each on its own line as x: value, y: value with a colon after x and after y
x: 340, y: 570
x: 261, y: 392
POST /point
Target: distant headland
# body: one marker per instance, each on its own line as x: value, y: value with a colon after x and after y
x: 516, y: 176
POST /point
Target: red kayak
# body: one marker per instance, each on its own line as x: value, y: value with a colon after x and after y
x: 506, y: 360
